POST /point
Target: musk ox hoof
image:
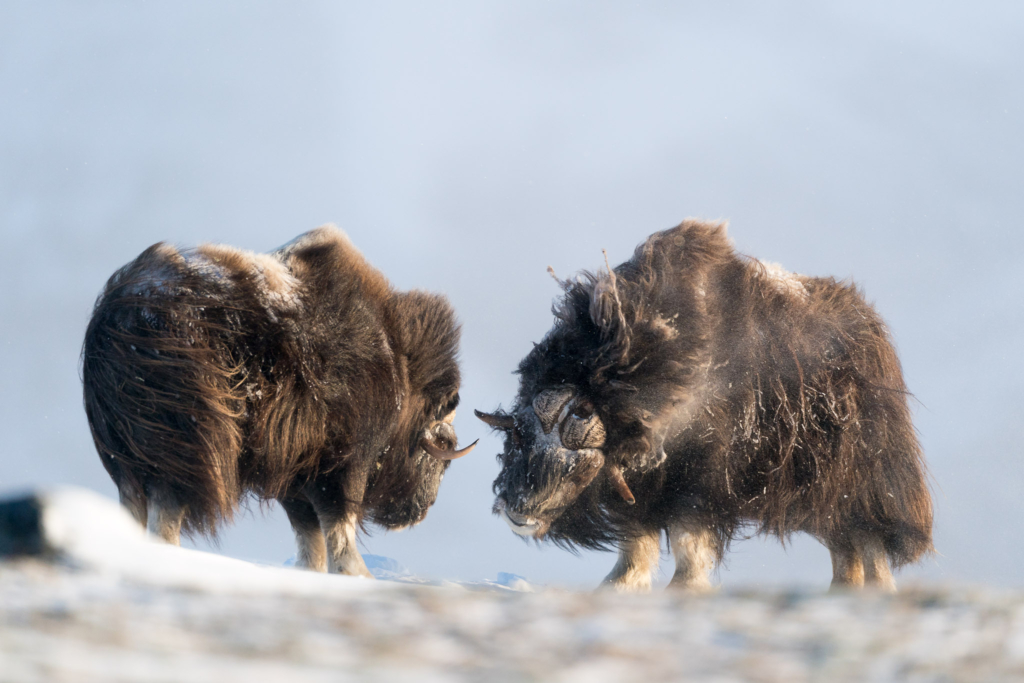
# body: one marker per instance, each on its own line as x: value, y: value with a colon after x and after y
x: 365, y: 573
x: 350, y: 568
x: 882, y: 587
x: 691, y: 587
x: 625, y: 585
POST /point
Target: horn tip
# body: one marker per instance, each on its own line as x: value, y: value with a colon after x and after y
x: 495, y: 421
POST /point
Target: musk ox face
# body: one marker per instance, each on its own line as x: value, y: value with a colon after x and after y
x: 428, y: 454
x: 553, y: 451
x: 404, y: 483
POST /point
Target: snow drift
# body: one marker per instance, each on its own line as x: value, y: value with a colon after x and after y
x: 85, y: 596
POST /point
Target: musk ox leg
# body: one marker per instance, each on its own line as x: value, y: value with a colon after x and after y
x: 312, y: 550
x: 164, y: 514
x: 337, y: 498
x: 694, y: 548
x: 638, y: 558
x: 876, y: 564
x: 342, y: 554
x: 847, y: 566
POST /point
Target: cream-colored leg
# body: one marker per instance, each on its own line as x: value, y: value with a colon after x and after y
x: 342, y: 554
x: 694, y: 551
x: 309, y: 537
x: 164, y: 515
x: 876, y: 564
x: 638, y: 557
x: 847, y: 567
x: 312, y: 550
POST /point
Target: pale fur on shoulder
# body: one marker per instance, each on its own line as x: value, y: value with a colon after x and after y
x: 782, y: 280
x: 275, y: 284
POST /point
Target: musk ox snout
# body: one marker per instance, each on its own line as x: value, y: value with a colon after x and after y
x: 521, y: 525
x: 542, y: 474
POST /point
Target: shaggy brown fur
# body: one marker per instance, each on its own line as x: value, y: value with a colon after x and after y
x: 300, y: 376
x: 731, y: 392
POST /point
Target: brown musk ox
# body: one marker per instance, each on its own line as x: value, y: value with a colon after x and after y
x: 698, y: 392
x: 300, y: 375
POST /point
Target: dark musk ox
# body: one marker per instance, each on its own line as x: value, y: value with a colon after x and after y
x: 698, y: 392
x: 300, y: 375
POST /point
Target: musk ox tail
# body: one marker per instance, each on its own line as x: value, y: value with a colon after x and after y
x: 163, y: 394
x: 891, y: 475
x: 899, y: 501
x: 904, y: 517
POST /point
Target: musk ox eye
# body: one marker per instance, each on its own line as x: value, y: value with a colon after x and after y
x: 582, y: 411
x: 548, y: 406
x: 448, y: 408
x: 582, y: 429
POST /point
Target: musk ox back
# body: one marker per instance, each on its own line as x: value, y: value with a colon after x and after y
x: 694, y: 391
x: 299, y: 375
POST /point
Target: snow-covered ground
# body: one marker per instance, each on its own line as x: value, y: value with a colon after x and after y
x: 104, y: 604
x: 59, y: 624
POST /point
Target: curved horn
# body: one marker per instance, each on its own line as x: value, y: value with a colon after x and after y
x: 442, y: 454
x: 582, y: 432
x: 615, y: 475
x: 505, y: 422
x: 548, y: 406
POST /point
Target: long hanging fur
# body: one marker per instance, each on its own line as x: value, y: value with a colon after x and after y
x: 213, y: 373
x: 732, y: 393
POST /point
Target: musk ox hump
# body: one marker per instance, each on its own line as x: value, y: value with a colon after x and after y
x: 275, y: 285
x: 783, y: 281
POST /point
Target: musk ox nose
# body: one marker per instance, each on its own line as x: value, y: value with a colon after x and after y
x: 517, y: 518
x: 521, y: 524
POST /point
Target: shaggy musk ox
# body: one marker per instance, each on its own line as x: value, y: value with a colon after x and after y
x: 299, y: 375
x: 695, y: 391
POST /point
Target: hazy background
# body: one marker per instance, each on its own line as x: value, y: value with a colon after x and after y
x: 466, y: 146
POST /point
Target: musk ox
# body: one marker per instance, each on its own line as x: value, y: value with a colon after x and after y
x: 698, y: 392
x: 299, y: 376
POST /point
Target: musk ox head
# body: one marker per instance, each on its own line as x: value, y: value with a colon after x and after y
x: 405, y: 480
x: 617, y: 375
x: 553, y: 451
x: 408, y: 480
